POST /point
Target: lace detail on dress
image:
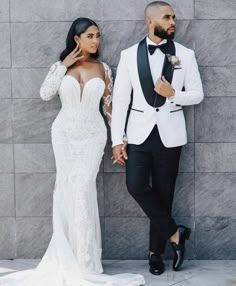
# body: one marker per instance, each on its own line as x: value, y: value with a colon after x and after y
x: 107, y: 96
x: 52, y: 81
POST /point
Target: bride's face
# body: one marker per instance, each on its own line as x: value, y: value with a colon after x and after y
x: 89, y: 40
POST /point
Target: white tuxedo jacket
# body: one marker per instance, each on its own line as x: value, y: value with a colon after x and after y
x: 143, y: 117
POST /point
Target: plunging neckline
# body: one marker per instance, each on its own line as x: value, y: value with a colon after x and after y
x: 82, y: 89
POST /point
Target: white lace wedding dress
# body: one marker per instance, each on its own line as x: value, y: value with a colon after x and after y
x: 73, y: 257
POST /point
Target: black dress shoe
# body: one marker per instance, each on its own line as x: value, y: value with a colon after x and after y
x: 157, y: 267
x: 179, y: 249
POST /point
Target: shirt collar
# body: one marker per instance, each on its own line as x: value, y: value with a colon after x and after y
x: 150, y: 42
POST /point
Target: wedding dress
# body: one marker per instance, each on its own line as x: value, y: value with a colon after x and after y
x: 73, y: 257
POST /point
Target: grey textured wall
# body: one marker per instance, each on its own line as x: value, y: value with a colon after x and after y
x: 32, y: 35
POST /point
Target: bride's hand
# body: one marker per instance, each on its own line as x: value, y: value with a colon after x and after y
x: 73, y: 57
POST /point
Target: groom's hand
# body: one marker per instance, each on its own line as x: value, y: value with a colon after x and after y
x: 119, y: 154
x: 164, y: 88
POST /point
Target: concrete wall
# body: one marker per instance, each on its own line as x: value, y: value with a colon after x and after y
x: 32, y: 35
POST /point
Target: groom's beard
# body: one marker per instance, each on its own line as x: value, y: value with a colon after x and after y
x: 161, y: 33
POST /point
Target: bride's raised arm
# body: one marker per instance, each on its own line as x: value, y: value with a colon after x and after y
x: 52, y: 81
x: 107, y: 96
x: 56, y: 73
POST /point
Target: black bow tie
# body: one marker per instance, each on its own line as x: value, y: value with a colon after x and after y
x: 162, y: 47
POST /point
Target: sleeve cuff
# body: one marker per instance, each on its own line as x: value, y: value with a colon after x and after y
x: 171, y: 99
x: 115, y: 143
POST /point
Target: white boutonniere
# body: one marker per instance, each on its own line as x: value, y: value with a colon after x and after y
x: 175, y: 61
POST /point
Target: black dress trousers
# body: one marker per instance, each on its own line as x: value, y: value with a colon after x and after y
x: 152, y: 159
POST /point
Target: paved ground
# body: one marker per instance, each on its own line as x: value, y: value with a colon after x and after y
x: 194, y: 272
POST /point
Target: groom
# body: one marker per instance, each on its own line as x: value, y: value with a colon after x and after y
x: 155, y: 78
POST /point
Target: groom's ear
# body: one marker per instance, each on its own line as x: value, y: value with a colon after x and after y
x: 148, y: 21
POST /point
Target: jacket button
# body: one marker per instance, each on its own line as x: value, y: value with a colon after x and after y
x: 157, y: 109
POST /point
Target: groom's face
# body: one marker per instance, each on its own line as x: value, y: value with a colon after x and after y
x: 162, y: 22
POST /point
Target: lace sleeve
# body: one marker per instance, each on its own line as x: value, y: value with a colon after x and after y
x: 107, y: 96
x: 52, y: 81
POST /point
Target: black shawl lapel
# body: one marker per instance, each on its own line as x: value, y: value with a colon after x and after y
x: 145, y: 76
x: 168, y: 69
x: 144, y: 72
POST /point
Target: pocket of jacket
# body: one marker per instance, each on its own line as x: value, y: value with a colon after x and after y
x: 176, y: 110
x: 137, y: 110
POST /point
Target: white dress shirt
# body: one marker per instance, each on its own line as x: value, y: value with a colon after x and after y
x: 156, y: 60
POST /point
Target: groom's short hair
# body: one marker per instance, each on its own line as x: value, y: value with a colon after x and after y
x: 155, y: 4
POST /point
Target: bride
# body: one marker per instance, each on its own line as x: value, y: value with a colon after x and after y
x: 73, y: 257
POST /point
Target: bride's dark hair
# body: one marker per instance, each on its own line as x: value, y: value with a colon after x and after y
x: 78, y: 27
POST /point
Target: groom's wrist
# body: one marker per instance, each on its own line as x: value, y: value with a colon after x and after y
x: 172, y: 96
